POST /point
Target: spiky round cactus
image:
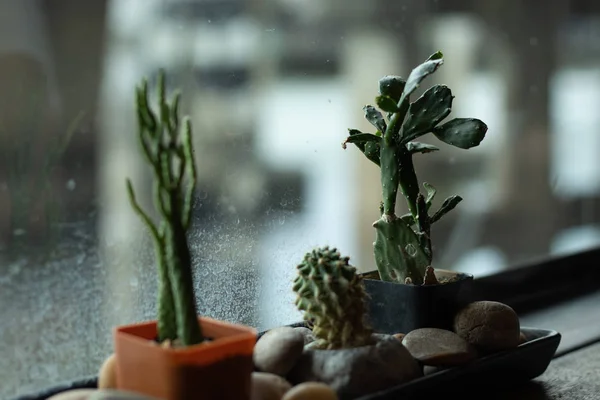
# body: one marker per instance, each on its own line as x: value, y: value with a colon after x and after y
x: 332, y: 297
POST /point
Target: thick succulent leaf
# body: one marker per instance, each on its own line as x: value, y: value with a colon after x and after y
x: 436, y: 56
x: 424, y: 227
x: 447, y: 206
x: 374, y: 117
x: 392, y: 86
x: 368, y: 143
x: 431, y: 191
x: 418, y: 147
x: 386, y: 103
x: 421, y: 72
x: 462, y: 132
x: 408, y: 219
x: 398, y: 253
x: 426, y: 112
x: 362, y: 138
x: 373, y: 151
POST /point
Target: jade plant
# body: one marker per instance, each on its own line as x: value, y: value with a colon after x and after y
x: 332, y: 297
x: 166, y: 141
x: 402, y: 248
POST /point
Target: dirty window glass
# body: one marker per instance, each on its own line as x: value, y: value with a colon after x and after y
x: 271, y: 88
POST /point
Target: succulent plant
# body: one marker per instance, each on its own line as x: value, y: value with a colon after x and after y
x: 167, y: 145
x: 402, y: 246
x: 332, y: 296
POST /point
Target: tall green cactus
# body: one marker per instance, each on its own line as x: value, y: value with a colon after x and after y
x: 332, y: 296
x: 403, y: 254
x: 167, y: 146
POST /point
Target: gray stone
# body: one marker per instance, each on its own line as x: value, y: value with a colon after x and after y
x: 110, y: 394
x: 311, y: 391
x: 358, y: 371
x: 438, y: 347
x: 266, y: 386
x: 489, y: 326
x: 75, y: 394
x: 278, y: 350
x: 307, y: 333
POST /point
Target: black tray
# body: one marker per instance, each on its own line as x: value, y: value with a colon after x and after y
x: 510, y: 368
x: 504, y: 369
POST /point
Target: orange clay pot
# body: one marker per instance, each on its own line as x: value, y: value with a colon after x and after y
x: 217, y: 369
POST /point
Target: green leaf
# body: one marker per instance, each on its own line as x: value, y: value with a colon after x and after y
x: 392, y: 86
x: 386, y: 103
x: 424, y: 226
x: 372, y: 152
x: 398, y: 252
x: 431, y: 191
x: 418, y: 147
x: 463, y: 133
x: 426, y: 112
x: 367, y: 143
x: 436, y: 56
x: 408, y: 219
x: 447, y: 206
x: 374, y: 117
x: 421, y: 72
x: 362, y: 138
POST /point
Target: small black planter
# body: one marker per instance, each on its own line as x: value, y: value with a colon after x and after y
x: 397, y: 308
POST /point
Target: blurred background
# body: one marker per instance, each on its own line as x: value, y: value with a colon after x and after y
x: 271, y: 88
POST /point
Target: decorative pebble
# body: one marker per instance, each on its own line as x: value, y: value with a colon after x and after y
x: 107, y: 377
x: 266, y: 386
x: 358, y: 371
x: 399, y: 336
x: 76, y: 394
x: 430, y: 369
x: 311, y: 391
x: 110, y: 394
x: 488, y: 325
x: 308, y: 334
x: 522, y: 338
x: 278, y: 350
x: 433, y: 346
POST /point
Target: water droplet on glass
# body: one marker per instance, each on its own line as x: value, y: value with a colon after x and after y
x: 281, y: 220
x: 202, y: 195
x: 71, y: 184
x: 411, y: 250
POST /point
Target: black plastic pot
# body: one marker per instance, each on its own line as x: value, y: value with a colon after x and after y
x: 397, y: 308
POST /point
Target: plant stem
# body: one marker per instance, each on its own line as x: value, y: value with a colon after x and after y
x: 180, y: 271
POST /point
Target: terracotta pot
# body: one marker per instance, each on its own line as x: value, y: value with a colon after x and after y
x: 217, y: 369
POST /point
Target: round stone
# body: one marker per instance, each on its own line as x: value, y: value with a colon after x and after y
x: 278, y: 350
x: 111, y: 394
x: 266, y: 386
x: 107, y: 377
x: 438, y: 347
x: 358, y: 371
x: 399, y: 336
x: 522, y: 338
x: 307, y: 333
x: 311, y: 391
x: 490, y: 326
x: 75, y: 394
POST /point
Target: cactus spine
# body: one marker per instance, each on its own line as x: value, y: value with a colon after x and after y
x: 167, y: 145
x: 404, y: 254
x: 332, y: 296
